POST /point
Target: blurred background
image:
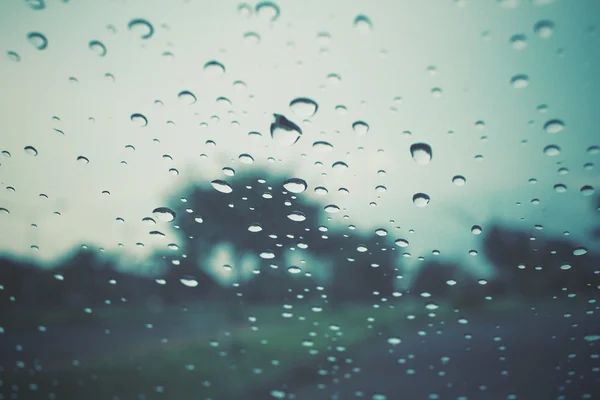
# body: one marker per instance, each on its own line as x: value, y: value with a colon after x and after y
x: 299, y: 200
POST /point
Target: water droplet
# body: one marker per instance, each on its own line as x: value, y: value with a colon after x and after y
x: 381, y: 232
x: 37, y: 40
x: 294, y: 270
x: 221, y: 186
x: 244, y: 9
x: 363, y: 24
x: 459, y: 180
x: 401, y: 243
x: 268, y: 10
x: 421, y: 200
x: 189, y: 281
x: 476, y: 230
x: 139, y: 119
x: 36, y: 4
x: 579, y: 251
x: 228, y: 171
x: 552, y: 150
x: 593, y: 150
x: 174, y: 171
x: 143, y: 27
x: 267, y: 255
x: 565, y: 267
x: 186, y: 97
x: 30, y: 150
x: 380, y: 189
x: 97, y: 47
x: 13, y: 56
x: 519, y: 81
x: 421, y: 153
x: 544, y: 28
x: 331, y: 208
x: 255, y: 227
x: 560, y: 188
x: 252, y: 37
x: 554, y: 126
x: 304, y: 107
x: 436, y: 92
x: 320, y: 190
x: 148, y: 221
x: 157, y: 234
x: 518, y: 41
x: 322, y: 146
x: 587, y: 190
x: 164, y: 214
x: 4, y: 211
x: 297, y: 216
x: 284, y: 131
x: 591, y: 337
x: 214, y: 68
x: 295, y: 185
x: 83, y: 160
x: 360, y: 128
x: 246, y: 159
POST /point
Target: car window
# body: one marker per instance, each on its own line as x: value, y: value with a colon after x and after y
x: 299, y: 199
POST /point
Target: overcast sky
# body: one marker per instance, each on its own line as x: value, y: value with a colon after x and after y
x: 415, y: 72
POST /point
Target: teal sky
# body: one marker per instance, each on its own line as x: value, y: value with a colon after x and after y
x: 387, y: 76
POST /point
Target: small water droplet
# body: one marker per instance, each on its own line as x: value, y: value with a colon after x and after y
x: 148, y: 221
x: 304, y: 107
x: 518, y: 41
x: 186, y: 97
x: 244, y: 9
x: 421, y: 153
x: 36, y: 4
x: 436, y: 92
x: 322, y: 146
x: 554, y: 126
x: 139, y: 119
x: 587, y: 190
x: 331, y: 208
x: 246, y: 159
x: 174, y: 171
x: 4, y: 211
x: 83, y: 160
x: 13, y: 56
x: 294, y: 270
x: 228, y: 171
x: 30, y: 150
x: 579, y: 251
x: 164, y: 214
x: 363, y: 24
x: 214, y: 68
x: 339, y: 166
x: 297, y: 216
x: 560, y: 188
x: 552, y: 150
x: 252, y: 37
x: 320, y: 190
x: 284, y: 131
x: 401, y: 243
x: 295, y: 185
x: 360, y: 128
x: 459, y: 180
x: 544, y: 28
x: 268, y: 10
x: 143, y: 27
x: 519, y: 81
x: 421, y: 200
x: 476, y: 230
x: 267, y: 255
x: 189, y: 281
x: 593, y: 150
x: 157, y: 234
x: 221, y: 186
x: 255, y: 227
x: 97, y: 47
x: 37, y: 40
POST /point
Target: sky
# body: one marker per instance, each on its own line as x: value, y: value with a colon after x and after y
x: 478, y: 81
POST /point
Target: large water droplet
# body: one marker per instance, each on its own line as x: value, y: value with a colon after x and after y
x: 255, y: 227
x: 189, y: 281
x: 268, y: 10
x: 421, y: 153
x: 297, y: 216
x: 552, y: 150
x: 401, y: 243
x: 593, y: 150
x: 221, y: 186
x: 37, y: 40
x: 587, y: 190
x: 139, y: 119
x: 554, y: 126
x: 304, y: 107
x: 30, y: 150
x: 294, y: 270
x: 97, y: 47
x: 544, y: 28
x: 519, y: 81
x: 363, y: 24
x: 164, y: 214
x: 214, y: 68
x: 360, y: 128
x: 186, y: 97
x: 560, y: 188
x: 579, y: 251
x: 284, y: 131
x: 421, y: 199
x: 143, y: 27
x: 295, y: 185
